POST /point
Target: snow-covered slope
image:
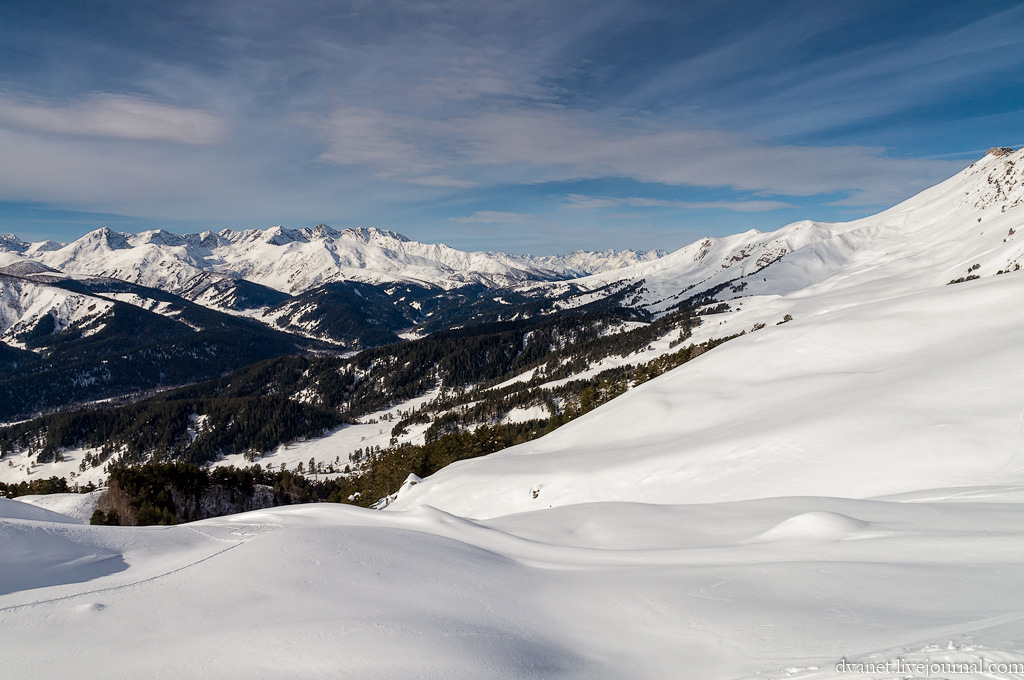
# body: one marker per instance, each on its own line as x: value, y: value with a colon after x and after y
x: 774, y: 588
x: 77, y: 506
x: 853, y: 398
x: 888, y: 380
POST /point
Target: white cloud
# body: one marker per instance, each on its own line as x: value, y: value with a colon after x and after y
x: 116, y: 117
x: 599, y: 202
x: 381, y: 141
x: 558, y: 145
x: 97, y: 175
x: 501, y: 217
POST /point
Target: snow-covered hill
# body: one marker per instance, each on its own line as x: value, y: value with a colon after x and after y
x: 853, y: 398
x: 773, y: 588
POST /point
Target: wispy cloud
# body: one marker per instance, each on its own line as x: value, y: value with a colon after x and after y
x: 116, y: 117
x: 601, y: 202
x: 557, y: 143
x: 501, y: 217
x: 385, y: 143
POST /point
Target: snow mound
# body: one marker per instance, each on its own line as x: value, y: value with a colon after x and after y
x: 38, y: 549
x: 14, y: 509
x: 76, y: 506
x: 816, y: 526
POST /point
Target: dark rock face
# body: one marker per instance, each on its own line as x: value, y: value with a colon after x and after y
x: 1000, y: 151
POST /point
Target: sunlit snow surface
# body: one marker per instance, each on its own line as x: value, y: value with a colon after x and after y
x: 607, y: 590
x: 847, y: 485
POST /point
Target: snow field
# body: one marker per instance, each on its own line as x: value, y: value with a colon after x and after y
x: 605, y: 590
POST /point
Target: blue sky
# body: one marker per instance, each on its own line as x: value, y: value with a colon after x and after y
x: 509, y: 125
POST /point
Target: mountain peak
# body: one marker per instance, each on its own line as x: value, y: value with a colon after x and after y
x: 368, y: 234
x: 323, y: 231
x: 160, y: 237
x: 12, y: 243
x: 281, y: 236
x: 106, y: 236
x: 996, y: 183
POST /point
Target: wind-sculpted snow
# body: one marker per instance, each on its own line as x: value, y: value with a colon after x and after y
x: 39, y: 548
x: 610, y: 590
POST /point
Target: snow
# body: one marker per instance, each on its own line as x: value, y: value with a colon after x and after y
x: 23, y: 303
x: 522, y: 414
x: 526, y: 376
x: 608, y: 590
x: 844, y: 488
x: 20, y: 467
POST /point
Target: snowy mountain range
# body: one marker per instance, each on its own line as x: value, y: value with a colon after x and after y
x: 291, y: 280
x: 294, y: 261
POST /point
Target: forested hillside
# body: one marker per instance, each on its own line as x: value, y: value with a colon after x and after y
x: 255, y: 409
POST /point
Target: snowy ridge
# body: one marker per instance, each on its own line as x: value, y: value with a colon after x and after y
x: 584, y: 263
x: 932, y: 238
x: 157, y: 259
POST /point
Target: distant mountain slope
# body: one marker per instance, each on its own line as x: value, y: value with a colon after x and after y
x: 68, y: 340
x: 584, y: 263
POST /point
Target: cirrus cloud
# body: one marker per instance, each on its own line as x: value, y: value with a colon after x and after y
x: 600, y: 202
x: 112, y: 116
x: 557, y: 144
